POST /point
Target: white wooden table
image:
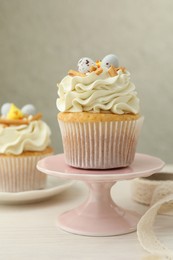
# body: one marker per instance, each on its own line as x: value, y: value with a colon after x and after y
x: 29, y: 231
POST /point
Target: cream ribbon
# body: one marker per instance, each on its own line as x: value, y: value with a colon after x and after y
x: 156, y: 191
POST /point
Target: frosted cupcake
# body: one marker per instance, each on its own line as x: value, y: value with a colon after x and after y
x: 99, y: 119
x: 24, y: 140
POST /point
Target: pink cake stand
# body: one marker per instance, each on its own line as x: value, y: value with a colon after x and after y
x: 99, y: 215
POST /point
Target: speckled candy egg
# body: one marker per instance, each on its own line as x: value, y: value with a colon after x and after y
x: 5, y: 109
x: 109, y: 60
x: 28, y: 110
x: 84, y: 65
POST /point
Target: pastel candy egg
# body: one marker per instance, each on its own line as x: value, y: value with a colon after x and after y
x: 109, y: 60
x: 84, y: 65
x: 28, y: 109
x: 5, y: 109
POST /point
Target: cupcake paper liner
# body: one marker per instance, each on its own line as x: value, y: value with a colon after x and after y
x: 100, y: 145
x: 20, y: 174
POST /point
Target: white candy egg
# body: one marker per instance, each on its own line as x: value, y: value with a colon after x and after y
x: 28, y: 109
x: 84, y: 65
x: 109, y: 60
x: 5, y: 109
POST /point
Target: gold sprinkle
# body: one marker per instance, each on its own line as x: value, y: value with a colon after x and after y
x: 112, y: 71
x: 122, y: 68
x: 93, y: 68
x: 23, y: 121
x: 75, y: 73
x: 99, y: 71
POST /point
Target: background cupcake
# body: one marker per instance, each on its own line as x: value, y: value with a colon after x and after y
x: 24, y: 140
x: 99, y: 120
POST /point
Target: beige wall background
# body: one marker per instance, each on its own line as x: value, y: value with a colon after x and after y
x: 40, y: 40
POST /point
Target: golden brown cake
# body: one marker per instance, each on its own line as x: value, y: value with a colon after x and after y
x: 84, y: 117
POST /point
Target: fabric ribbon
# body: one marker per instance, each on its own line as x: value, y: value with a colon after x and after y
x: 156, y: 191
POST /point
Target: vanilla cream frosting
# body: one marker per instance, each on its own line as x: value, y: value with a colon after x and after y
x: 15, y: 139
x: 98, y: 93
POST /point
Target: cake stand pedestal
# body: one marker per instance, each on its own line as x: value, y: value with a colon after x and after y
x: 99, y: 215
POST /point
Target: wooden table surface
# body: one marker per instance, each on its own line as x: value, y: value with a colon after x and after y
x: 29, y: 231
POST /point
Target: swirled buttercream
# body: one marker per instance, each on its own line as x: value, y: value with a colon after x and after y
x: 15, y: 139
x: 98, y: 93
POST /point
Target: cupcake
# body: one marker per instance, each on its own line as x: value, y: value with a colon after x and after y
x: 24, y: 140
x: 99, y: 115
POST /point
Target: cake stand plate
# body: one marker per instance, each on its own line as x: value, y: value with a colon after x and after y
x: 99, y: 215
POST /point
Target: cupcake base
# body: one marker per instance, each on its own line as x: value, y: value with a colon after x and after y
x: 18, y: 172
x: 100, y: 145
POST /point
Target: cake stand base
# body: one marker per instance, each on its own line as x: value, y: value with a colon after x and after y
x: 99, y: 215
